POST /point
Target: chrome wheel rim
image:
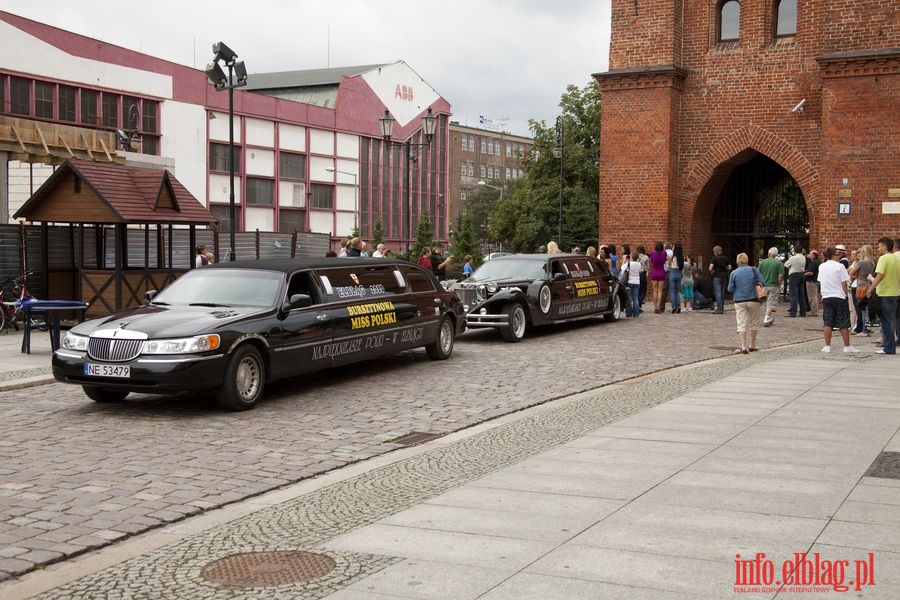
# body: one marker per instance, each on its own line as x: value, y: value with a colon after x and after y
x: 545, y: 299
x: 617, y: 308
x: 247, y: 378
x: 446, y: 337
x: 518, y: 322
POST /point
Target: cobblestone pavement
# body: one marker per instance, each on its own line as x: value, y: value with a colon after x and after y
x: 308, y: 522
x: 75, y: 475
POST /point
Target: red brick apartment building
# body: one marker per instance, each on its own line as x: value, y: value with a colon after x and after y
x: 751, y: 123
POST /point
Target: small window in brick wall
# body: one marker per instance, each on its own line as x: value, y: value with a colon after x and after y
x: 786, y: 18
x: 729, y: 21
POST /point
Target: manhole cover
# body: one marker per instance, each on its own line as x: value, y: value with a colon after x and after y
x: 886, y: 466
x: 414, y: 438
x: 263, y: 569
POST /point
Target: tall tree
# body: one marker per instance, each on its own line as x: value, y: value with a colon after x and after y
x: 377, y: 234
x: 465, y: 242
x: 528, y: 216
x: 424, y: 237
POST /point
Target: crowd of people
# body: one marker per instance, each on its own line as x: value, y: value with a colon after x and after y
x: 852, y: 291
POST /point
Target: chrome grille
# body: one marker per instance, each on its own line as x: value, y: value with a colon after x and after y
x: 466, y: 295
x: 114, y: 350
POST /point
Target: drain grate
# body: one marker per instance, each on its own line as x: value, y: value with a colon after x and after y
x: 414, y: 438
x: 264, y: 569
x: 886, y: 465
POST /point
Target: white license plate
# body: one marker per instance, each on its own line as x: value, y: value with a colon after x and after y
x: 94, y: 370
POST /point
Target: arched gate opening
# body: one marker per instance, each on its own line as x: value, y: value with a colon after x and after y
x: 760, y: 205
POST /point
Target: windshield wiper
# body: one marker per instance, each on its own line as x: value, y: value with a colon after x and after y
x: 209, y: 304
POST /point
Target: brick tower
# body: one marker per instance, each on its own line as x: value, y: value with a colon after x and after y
x: 715, y: 111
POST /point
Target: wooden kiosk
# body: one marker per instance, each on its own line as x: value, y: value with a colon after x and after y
x: 125, y: 199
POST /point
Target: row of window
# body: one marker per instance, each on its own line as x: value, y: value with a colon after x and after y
x: 291, y: 165
x: 288, y: 218
x: 490, y: 146
x: 729, y: 19
x: 467, y: 169
x: 25, y: 97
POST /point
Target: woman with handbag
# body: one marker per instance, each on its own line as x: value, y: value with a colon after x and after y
x: 747, y: 286
x: 862, y: 271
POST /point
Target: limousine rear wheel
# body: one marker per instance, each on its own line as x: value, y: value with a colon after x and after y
x: 442, y: 347
x: 244, y: 380
x: 102, y: 395
x: 514, y: 330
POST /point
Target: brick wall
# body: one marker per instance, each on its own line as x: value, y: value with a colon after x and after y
x: 669, y: 150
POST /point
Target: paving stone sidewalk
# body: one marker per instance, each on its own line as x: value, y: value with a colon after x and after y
x: 641, y: 490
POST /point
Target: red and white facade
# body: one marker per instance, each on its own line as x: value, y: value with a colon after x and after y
x: 300, y: 165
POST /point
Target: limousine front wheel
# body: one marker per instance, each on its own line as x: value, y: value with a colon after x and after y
x: 514, y: 330
x: 443, y: 345
x: 244, y: 380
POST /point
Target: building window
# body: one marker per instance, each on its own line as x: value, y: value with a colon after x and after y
x: 321, y: 196
x: 483, y: 145
x: 490, y: 172
x: 260, y: 192
x: 130, y: 117
x: 482, y: 170
x: 67, y: 103
x: 292, y: 166
x: 729, y: 21
x: 471, y: 169
x: 463, y: 194
x: 463, y: 169
x: 19, y: 96
x: 88, y: 107
x: 291, y: 220
x: 223, y: 214
x: 464, y: 142
x: 490, y: 147
x: 508, y: 170
x: 509, y: 150
x: 110, y: 110
x: 786, y: 19
x: 149, y: 117
x: 43, y: 100
x: 218, y: 157
x: 471, y: 143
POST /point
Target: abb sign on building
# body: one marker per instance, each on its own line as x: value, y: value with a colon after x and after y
x: 730, y: 122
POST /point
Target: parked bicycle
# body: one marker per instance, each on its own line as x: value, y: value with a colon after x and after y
x: 11, y: 309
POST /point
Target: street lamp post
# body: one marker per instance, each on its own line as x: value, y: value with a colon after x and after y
x: 227, y: 57
x: 429, y: 123
x: 484, y: 183
x: 355, y: 194
x: 558, y: 152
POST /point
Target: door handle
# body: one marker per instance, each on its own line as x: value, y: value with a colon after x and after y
x: 321, y: 317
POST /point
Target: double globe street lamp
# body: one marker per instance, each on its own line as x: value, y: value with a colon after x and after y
x: 429, y: 124
x: 236, y: 77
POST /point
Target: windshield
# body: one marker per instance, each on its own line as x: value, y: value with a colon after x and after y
x: 223, y: 287
x: 509, y: 269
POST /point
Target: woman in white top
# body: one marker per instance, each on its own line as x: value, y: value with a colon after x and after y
x: 631, y: 277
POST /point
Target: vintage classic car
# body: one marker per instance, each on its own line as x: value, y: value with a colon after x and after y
x: 232, y: 327
x: 512, y: 292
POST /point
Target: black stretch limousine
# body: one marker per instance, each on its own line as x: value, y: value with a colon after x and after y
x: 232, y: 327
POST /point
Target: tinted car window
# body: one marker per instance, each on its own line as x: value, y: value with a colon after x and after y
x: 301, y: 283
x: 361, y: 282
x: 511, y: 268
x: 579, y: 267
x: 419, y: 281
x: 228, y: 287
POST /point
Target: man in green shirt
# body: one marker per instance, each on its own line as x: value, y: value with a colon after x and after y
x: 772, y: 271
x: 887, y: 285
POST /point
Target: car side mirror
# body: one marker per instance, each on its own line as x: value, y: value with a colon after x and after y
x: 559, y: 276
x: 297, y: 301
x: 149, y: 295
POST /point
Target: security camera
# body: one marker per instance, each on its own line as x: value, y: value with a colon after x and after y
x: 799, y: 108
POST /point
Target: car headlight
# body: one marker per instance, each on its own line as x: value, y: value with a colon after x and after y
x: 198, y: 343
x: 492, y: 288
x: 73, y: 341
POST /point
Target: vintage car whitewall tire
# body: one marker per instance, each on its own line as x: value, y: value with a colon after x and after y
x: 514, y: 330
x: 102, y: 395
x: 442, y: 347
x: 245, y: 378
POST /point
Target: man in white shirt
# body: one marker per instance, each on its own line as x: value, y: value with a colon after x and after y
x: 833, y: 281
x: 379, y: 251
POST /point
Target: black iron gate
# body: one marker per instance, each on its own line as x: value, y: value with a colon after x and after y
x: 760, y: 206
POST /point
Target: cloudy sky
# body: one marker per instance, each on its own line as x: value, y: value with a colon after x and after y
x: 499, y: 58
